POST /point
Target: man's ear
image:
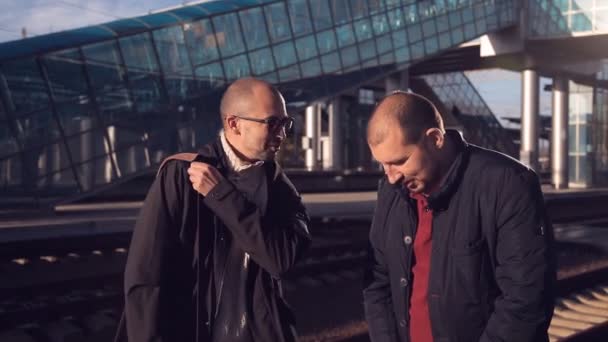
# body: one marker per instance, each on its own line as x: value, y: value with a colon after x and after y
x: 232, y: 123
x: 436, y: 137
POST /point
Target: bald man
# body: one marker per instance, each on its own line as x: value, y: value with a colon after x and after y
x: 461, y: 245
x: 215, y: 235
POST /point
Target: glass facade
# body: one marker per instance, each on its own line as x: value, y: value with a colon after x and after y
x: 83, y: 108
x: 549, y: 18
x: 458, y: 96
x: 580, y: 149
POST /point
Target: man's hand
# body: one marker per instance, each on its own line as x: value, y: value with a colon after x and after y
x: 203, y: 177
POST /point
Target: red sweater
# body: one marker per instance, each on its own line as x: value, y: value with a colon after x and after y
x: 420, y: 322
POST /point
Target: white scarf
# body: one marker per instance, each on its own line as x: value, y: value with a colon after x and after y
x: 234, y: 162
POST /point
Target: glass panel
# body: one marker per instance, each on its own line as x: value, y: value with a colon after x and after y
x: 37, y: 129
x: 284, y: 54
x: 103, y: 65
x: 345, y: 35
x: 376, y: 5
x: 363, y: 29
x: 138, y: 54
x: 76, y: 117
x: 384, y: 44
x: 114, y: 106
x: 428, y: 27
x: 64, y: 70
x: 180, y: 87
x: 399, y: 38
x: 321, y: 14
x: 370, y: 63
x: 311, y: 68
x: 211, y: 73
x: 455, y: 18
x: 132, y: 159
x: 87, y: 145
x: 572, y: 138
x: 350, y: 56
x: 48, y: 159
x: 299, y: 16
x: 444, y: 40
x: 581, y: 22
x: 254, y: 27
x: 289, y: 74
x: 341, y: 11
x: 367, y: 50
x: 147, y: 94
x: 457, y: 36
x: 11, y: 171
x: 387, y: 58
x: 172, y: 52
x: 261, y: 61
x: 201, y: 42
x: 380, y: 24
x: 98, y: 171
x: 358, y: 8
x: 306, y: 47
x: 62, y: 181
x: 417, y: 50
x: 395, y: 18
x: 442, y: 23
x: 331, y: 63
x: 270, y: 77
x: 327, y: 41
x: 278, y: 22
x: 236, y: 67
x: 469, y: 31
x: 8, y: 145
x: 228, y: 34
x: 414, y: 33
x: 402, y: 55
x: 27, y: 89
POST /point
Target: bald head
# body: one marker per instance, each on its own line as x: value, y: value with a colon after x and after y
x: 244, y: 93
x: 413, y: 113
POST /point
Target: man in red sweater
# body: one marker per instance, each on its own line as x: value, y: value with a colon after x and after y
x: 461, y: 248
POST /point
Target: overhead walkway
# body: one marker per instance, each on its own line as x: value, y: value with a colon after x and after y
x: 87, y: 109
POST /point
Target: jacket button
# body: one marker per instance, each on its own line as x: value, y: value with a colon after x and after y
x: 403, y: 282
x: 407, y: 239
x: 402, y: 323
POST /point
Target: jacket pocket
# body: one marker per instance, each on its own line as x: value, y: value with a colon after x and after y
x: 468, y: 248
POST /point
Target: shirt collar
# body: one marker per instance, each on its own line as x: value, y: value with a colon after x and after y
x: 235, y: 163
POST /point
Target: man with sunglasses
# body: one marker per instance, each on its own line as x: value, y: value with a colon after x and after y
x: 217, y: 232
x: 461, y: 248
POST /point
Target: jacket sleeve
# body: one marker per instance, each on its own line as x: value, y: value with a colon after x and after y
x: 377, y: 297
x: 275, y: 244
x: 525, y: 266
x: 151, y: 249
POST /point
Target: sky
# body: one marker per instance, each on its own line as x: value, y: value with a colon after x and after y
x: 500, y: 89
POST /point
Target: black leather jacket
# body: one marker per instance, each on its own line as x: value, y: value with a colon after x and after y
x: 492, y: 271
x: 231, y: 247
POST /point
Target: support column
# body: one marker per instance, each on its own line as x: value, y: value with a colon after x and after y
x: 397, y: 81
x: 559, y: 134
x: 335, y: 159
x: 529, y: 119
x: 310, y: 140
x: 86, y: 151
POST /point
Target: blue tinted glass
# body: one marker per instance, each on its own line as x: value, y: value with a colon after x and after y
x: 148, y: 93
x: 115, y: 106
x: 300, y: 17
x: 442, y: 23
x: 402, y: 55
x: 211, y: 73
x: 37, y: 129
x: 455, y: 18
x: 367, y: 50
x: 399, y: 38
x: 384, y: 44
x: 345, y: 35
x: 261, y: 61
x: 469, y: 31
x: 125, y: 26
x: 26, y: 86
x: 311, y: 68
x: 254, y: 28
x: 481, y: 25
x: 340, y: 10
x: 358, y: 8
x: 394, y: 3
x: 388, y: 58
x: 138, y: 53
x: 375, y: 6
x: 104, y: 65
x: 321, y: 14
x: 370, y: 63
x: 363, y: 29
x: 289, y: 74
x: 66, y: 77
x: 201, y: 42
x: 331, y: 62
x: 213, y: 7
x: 158, y: 19
x: 278, y: 22
x: 284, y: 54
x: 581, y: 22
x: 457, y: 36
x: 431, y: 45
x: 180, y: 87
x: 417, y: 50
x: 444, y: 40
x: 76, y: 117
x: 228, y: 34
x: 350, y: 56
x: 307, y: 47
x: 172, y: 52
x: 414, y: 33
x: 236, y: 67
x: 380, y: 24
x: 327, y: 41
x: 467, y: 14
x: 395, y: 18
x: 428, y: 28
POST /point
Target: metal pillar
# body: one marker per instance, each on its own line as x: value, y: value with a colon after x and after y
x: 529, y: 119
x: 310, y: 140
x: 559, y: 134
x: 87, y: 170
x: 334, y: 159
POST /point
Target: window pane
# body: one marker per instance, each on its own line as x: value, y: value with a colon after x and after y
x: 254, y: 28
x: 201, y: 42
x: 367, y: 50
x: 278, y: 23
x: 37, y: 129
x: 428, y: 27
x: 299, y: 16
x: 399, y: 38
x: 236, y: 67
x: 212, y: 74
x: 306, y: 47
x: 8, y: 145
x: 387, y: 58
x: 103, y: 66
x: 115, y: 106
x: 345, y: 35
x: 172, y: 52
x: 64, y: 70
x: 147, y: 92
x: 321, y: 14
x: 138, y: 53
x: 327, y: 41
x: 27, y: 89
x: 414, y: 33
x: 402, y: 55
x: 284, y: 54
x: 331, y: 63
x: 262, y: 61
x: 289, y: 74
x: 341, y: 11
x: 350, y: 56
x: 395, y: 18
x: 180, y: 87
x: 11, y: 171
x: 380, y: 24
x: 311, y: 68
x: 76, y: 117
x: 384, y: 44
x: 228, y: 34
x: 363, y: 29
x: 376, y: 5
x: 358, y: 8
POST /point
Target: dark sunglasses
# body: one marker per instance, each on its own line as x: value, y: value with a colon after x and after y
x: 273, y: 122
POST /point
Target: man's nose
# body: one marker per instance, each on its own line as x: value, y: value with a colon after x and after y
x: 392, y: 175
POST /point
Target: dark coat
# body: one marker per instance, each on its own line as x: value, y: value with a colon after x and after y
x: 492, y: 271
x: 231, y: 247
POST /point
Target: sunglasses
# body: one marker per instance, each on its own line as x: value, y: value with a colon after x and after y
x: 273, y: 122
